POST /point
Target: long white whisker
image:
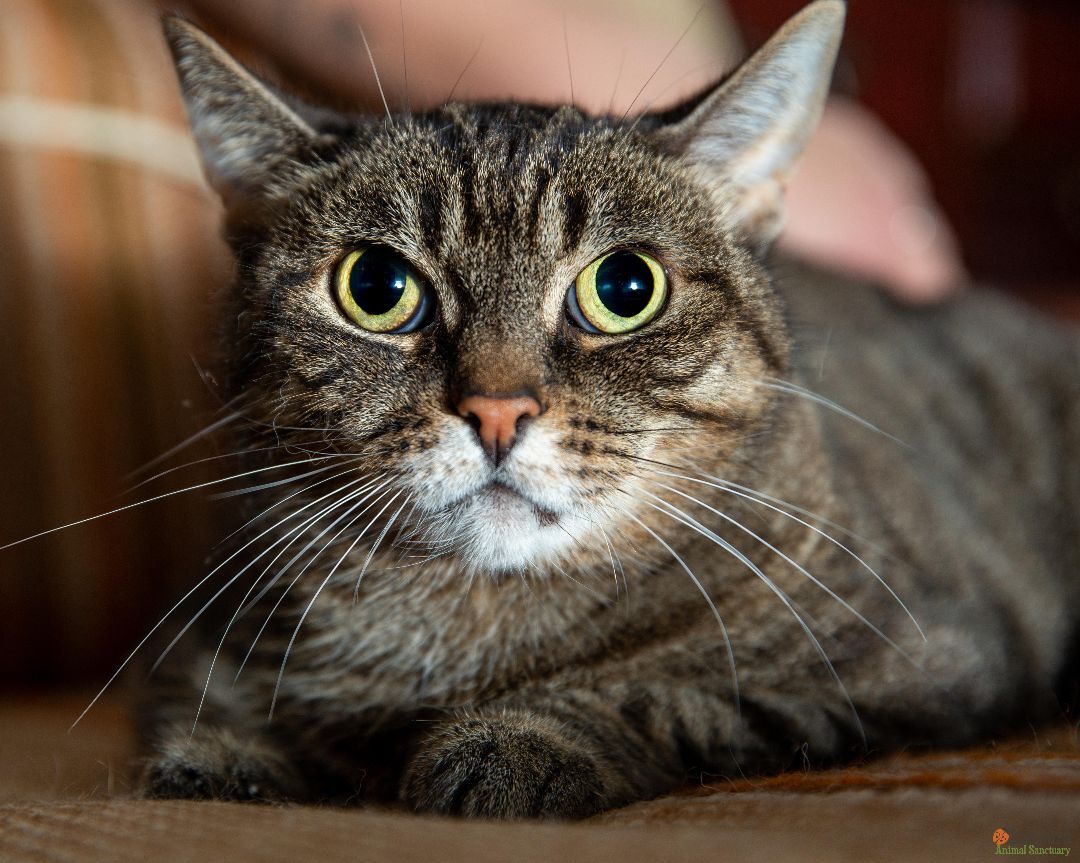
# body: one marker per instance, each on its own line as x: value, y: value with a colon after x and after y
x: 674, y: 512
x: 404, y: 61
x: 426, y: 559
x: 401, y: 541
x: 796, y: 390
x: 367, y: 491
x: 252, y: 489
x: 319, y: 590
x: 599, y: 596
x: 184, y: 444
x: 149, y: 500
x: 281, y: 572
x: 749, y: 494
x: 236, y: 454
x: 828, y: 590
x: 127, y: 660
x: 757, y: 496
x: 375, y: 70
x: 378, y: 541
x: 708, y: 599
x: 241, y: 606
x: 286, y: 499
x: 611, y: 557
x: 232, y: 580
x: 766, y: 500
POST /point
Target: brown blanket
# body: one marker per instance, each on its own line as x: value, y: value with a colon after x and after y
x: 64, y: 797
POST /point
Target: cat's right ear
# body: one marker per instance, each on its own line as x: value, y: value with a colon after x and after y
x: 252, y: 143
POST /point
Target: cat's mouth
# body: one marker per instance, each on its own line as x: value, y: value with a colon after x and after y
x: 504, y: 499
x: 499, y: 528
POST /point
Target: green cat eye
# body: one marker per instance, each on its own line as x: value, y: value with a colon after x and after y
x: 378, y: 291
x: 617, y: 293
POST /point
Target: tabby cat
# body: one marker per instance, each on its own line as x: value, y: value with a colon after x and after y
x: 567, y: 490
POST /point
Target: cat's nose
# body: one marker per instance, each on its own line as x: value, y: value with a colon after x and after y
x: 498, y: 419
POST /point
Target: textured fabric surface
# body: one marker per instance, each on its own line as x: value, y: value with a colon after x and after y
x: 848, y: 826
x: 64, y: 797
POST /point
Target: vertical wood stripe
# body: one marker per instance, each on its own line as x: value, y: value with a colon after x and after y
x: 105, y: 277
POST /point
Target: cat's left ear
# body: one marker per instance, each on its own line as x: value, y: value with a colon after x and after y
x: 251, y: 141
x: 748, y: 134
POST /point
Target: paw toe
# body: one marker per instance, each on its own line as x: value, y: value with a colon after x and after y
x: 503, y: 769
x: 218, y: 766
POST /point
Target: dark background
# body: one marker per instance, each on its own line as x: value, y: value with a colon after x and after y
x: 987, y: 95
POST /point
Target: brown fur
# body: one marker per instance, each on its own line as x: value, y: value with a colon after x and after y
x: 514, y: 667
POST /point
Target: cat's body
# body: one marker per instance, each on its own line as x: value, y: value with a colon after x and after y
x: 647, y: 602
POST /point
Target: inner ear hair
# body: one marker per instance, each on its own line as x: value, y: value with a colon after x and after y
x: 249, y: 138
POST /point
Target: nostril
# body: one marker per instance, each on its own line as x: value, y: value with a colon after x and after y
x: 498, y: 420
x: 527, y: 413
x: 472, y: 419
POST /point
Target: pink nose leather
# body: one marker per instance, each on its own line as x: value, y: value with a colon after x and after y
x: 497, y: 419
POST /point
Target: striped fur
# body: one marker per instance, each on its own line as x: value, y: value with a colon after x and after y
x: 734, y: 574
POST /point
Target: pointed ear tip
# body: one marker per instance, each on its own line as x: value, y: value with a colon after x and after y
x: 174, y: 26
x: 821, y: 22
x: 181, y: 34
x: 832, y: 10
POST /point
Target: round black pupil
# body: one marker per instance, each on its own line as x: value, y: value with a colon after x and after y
x: 624, y: 284
x: 377, y: 281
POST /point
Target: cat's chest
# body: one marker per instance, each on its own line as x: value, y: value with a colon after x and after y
x: 406, y: 644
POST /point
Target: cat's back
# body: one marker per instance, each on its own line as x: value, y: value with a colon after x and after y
x: 979, y: 373
x: 974, y: 477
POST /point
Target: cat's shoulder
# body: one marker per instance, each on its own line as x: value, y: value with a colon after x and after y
x: 974, y: 318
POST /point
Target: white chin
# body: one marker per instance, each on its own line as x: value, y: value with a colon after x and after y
x: 498, y: 531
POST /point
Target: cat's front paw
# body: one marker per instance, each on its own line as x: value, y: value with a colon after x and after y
x: 511, y: 766
x: 218, y: 766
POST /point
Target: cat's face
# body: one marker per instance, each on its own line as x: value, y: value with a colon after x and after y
x: 497, y: 212
x: 492, y: 216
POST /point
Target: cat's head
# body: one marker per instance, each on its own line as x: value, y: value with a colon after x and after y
x: 510, y: 312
